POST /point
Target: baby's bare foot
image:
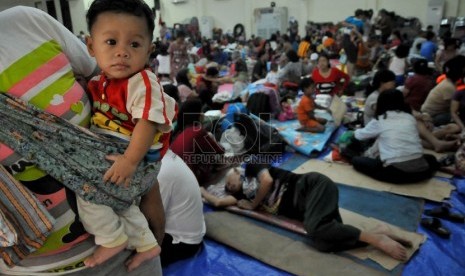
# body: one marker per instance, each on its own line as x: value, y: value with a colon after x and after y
x: 141, y: 257
x: 102, y: 254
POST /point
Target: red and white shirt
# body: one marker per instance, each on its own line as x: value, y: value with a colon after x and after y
x: 118, y: 103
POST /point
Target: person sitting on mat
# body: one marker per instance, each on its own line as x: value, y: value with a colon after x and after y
x: 401, y: 158
x: 311, y: 198
x: 305, y: 109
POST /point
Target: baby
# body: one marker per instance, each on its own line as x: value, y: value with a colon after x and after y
x: 128, y: 103
x: 286, y: 110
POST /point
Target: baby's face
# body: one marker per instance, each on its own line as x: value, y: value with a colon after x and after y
x: 234, y: 182
x: 120, y: 43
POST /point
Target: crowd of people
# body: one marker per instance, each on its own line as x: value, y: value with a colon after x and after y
x: 152, y: 95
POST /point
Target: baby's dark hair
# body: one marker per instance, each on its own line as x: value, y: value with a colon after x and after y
x: 391, y: 100
x: 133, y: 7
x: 306, y: 82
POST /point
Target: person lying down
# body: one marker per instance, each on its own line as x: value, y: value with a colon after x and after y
x: 311, y: 198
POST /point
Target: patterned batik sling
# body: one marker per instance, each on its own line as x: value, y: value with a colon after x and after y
x: 71, y: 154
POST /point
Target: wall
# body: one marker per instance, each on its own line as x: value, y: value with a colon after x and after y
x: 5, y: 4
x: 227, y: 13
x: 78, y: 14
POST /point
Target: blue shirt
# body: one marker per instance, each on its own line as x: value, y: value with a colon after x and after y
x: 428, y: 49
x: 357, y: 22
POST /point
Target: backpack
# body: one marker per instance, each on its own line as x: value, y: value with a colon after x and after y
x: 229, y: 111
x: 260, y: 137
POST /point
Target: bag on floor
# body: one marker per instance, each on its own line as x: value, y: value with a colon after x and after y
x: 260, y: 137
x: 229, y: 111
x: 259, y: 105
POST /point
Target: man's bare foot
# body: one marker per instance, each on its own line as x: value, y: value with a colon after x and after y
x: 386, y: 230
x: 141, y: 257
x: 390, y: 247
x: 102, y: 254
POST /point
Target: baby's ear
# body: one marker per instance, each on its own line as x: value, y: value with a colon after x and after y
x: 89, y: 44
x: 151, y: 48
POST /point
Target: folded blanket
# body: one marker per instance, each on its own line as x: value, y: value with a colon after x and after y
x: 30, y: 220
x: 71, y: 154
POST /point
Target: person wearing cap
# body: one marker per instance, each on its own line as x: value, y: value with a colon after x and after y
x: 418, y: 85
x: 309, y: 63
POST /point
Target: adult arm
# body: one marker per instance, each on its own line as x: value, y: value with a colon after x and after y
x: 266, y: 183
x: 170, y: 51
x: 454, y: 109
x: 371, y: 130
x: 215, y: 201
x: 405, y: 91
x: 41, y: 27
x: 283, y: 72
x: 152, y: 207
x: 407, y: 87
x: 347, y: 24
x: 220, y: 80
x: 342, y: 76
x: 437, y: 60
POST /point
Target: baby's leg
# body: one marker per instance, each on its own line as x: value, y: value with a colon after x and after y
x: 140, y: 237
x: 102, y: 222
x: 102, y: 254
x: 141, y: 257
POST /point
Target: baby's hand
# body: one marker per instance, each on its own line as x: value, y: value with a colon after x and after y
x: 121, y: 171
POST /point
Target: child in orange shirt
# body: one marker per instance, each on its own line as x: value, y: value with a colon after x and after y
x: 305, y: 109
